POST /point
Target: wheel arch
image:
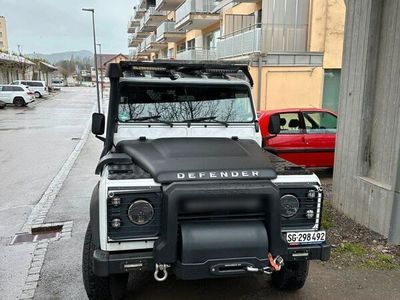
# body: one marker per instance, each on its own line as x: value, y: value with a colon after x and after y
x: 94, y: 215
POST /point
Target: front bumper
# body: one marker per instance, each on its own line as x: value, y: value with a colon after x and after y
x: 106, y: 263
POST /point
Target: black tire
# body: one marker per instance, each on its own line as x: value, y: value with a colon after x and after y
x: 37, y: 94
x: 19, y: 102
x: 99, y: 288
x: 292, y: 276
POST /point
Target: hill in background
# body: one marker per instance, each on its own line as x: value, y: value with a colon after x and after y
x: 56, y: 57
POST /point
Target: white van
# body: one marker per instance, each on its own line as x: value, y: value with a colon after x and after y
x: 39, y: 88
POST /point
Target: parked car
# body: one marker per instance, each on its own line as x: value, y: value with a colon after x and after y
x: 57, y: 82
x: 304, y: 136
x: 38, y: 87
x: 18, y: 95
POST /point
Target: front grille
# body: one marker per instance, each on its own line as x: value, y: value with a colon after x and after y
x: 299, y: 221
x: 221, y: 217
x: 128, y: 230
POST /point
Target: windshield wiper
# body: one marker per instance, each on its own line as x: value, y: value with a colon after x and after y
x: 149, y: 118
x: 201, y: 119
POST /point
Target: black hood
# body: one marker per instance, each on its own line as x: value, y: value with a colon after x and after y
x: 185, y: 159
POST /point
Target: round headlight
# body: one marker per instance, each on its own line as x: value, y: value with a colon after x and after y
x: 140, y: 212
x: 289, y: 206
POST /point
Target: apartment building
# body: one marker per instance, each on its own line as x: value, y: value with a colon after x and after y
x: 294, y: 47
x: 3, y: 35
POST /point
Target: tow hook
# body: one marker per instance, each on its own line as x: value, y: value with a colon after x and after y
x: 276, y: 263
x: 161, y: 273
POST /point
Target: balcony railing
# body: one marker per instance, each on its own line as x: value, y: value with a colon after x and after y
x: 166, y: 27
x: 150, y: 39
x: 263, y: 38
x: 152, y: 12
x: 242, y: 42
x: 194, y: 6
x: 197, y: 54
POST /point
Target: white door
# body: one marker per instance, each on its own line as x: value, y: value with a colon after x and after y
x: 7, y: 94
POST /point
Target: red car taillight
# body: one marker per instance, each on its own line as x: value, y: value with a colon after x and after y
x: 30, y: 93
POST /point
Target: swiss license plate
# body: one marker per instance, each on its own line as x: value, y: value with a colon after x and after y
x: 310, y: 237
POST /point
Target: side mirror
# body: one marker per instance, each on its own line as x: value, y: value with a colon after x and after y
x: 274, y: 126
x: 98, y: 123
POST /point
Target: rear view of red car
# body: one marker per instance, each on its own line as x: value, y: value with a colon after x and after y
x: 304, y: 136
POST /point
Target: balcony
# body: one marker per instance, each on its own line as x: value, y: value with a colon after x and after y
x: 197, y: 54
x: 139, y: 12
x: 131, y: 29
x: 243, y: 42
x: 143, y: 48
x: 168, y: 5
x: 196, y: 14
x: 146, y: 29
x: 166, y: 32
x: 153, y: 44
x: 263, y: 38
x: 153, y: 17
x: 134, y: 40
x: 133, y: 24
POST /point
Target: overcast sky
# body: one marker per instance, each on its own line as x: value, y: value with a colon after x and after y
x: 48, y: 26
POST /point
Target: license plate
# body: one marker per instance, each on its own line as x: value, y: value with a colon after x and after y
x: 312, y: 237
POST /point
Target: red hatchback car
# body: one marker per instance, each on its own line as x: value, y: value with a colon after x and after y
x: 304, y: 136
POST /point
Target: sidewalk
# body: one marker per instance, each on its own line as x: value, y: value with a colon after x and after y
x: 61, y: 275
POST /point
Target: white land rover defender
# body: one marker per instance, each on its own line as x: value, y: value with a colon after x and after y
x: 185, y: 187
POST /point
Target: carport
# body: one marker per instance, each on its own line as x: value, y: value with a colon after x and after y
x: 13, y: 67
x: 44, y: 72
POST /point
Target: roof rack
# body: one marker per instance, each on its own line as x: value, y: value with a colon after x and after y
x: 173, y: 68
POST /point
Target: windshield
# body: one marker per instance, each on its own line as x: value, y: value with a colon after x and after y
x: 160, y: 104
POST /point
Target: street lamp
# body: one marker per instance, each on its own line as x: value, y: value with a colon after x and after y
x: 95, y: 57
x: 101, y: 74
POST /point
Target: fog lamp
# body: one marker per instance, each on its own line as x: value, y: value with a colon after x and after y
x: 116, y: 223
x: 116, y: 201
x: 312, y: 194
x: 140, y: 212
x: 310, y: 214
x: 289, y: 206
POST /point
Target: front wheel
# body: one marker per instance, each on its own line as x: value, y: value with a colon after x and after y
x: 99, y: 288
x: 37, y: 95
x: 292, y: 276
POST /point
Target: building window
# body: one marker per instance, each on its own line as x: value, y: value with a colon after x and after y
x: 191, y: 44
x: 210, y: 41
x: 285, y: 25
x: 181, y: 47
x: 170, y: 53
x: 237, y: 23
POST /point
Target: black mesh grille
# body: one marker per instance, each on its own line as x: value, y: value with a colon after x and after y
x: 128, y: 230
x: 121, y: 172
